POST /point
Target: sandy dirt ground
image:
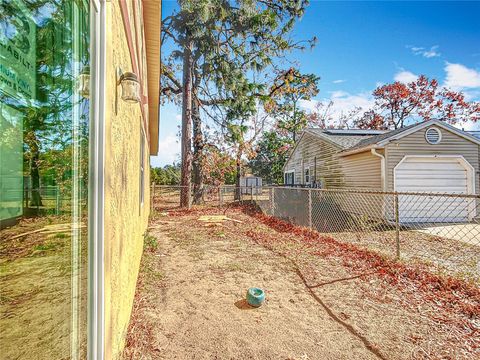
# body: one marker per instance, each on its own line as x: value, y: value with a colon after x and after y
x: 190, y: 299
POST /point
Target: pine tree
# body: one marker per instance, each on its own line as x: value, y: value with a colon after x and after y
x: 221, y: 44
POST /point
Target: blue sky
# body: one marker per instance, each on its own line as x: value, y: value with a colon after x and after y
x: 364, y: 44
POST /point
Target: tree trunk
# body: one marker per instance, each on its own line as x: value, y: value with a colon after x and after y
x: 185, y: 192
x: 32, y: 142
x: 294, y: 122
x: 198, y: 148
x: 238, y: 176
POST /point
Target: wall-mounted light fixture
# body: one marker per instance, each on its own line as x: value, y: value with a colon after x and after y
x: 83, y: 83
x: 130, y: 87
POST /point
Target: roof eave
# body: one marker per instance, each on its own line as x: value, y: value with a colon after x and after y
x: 323, y: 137
x: 293, y: 150
x: 381, y: 144
x: 425, y: 124
x: 360, y: 150
x: 152, y: 15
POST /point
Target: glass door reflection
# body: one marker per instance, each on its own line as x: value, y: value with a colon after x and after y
x: 44, y: 141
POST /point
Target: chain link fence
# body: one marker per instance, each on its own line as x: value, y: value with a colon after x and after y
x: 50, y: 200
x: 438, y: 230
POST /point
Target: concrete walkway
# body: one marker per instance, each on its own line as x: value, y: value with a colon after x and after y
x: 468, y: 233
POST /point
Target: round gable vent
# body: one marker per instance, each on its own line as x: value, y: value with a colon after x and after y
x: 433, y: 136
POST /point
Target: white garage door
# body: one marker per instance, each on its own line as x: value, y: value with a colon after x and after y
x: 433, y: 175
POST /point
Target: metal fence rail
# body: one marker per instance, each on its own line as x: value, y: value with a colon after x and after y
x: 439, y: 230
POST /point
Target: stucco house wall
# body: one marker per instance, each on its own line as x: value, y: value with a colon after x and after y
x: 127, y: 129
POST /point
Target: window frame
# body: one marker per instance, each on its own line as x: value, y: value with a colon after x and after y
x: 285, y: 176
x: 96, y: 290
x: 305, y: 176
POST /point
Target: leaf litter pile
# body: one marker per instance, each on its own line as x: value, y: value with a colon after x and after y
x: 397, y: 310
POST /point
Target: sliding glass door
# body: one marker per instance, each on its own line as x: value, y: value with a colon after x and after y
x: 45, y: 136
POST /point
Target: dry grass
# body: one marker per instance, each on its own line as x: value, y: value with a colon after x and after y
x: 325, y: 300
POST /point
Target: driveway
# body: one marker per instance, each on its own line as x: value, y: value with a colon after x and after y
x: 467, y: 233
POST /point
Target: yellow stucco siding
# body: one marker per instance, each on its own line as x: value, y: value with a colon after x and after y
x: 126, y: 219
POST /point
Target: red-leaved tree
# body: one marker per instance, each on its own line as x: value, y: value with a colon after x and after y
x: 421, y: 99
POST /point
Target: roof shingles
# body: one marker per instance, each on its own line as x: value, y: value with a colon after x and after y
x: 376, y: 139
x: 345, y: 141
x: 353, y: 139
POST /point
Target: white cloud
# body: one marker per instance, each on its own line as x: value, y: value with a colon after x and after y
x: 343, y: 103
x: 459, y: 77
x: 338, y: 94
x: 339, y: 81
x: 168, y: 151
x: 427, y: 53
x: 308, y: 105
x: 469, y: 126
x: 405, y: 77
x: 178, y: 117
x: 416, y: 49
x: 431, y: 53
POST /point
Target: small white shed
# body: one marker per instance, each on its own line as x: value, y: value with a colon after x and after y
x: 251, y: 184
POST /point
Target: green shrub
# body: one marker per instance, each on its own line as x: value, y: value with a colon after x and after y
x: 150, y: 243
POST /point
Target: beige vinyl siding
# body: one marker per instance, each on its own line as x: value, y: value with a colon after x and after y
x: 362, y: 170
x: 415, y: 144
x: 322, y: 158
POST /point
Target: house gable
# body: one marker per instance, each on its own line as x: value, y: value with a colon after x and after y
x: 382, y: 140
x: 319, y: 156
x: 424, y: 125
x: 452, y: 142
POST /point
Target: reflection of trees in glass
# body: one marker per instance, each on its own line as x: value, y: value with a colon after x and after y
x: 46, y: 131
x: 48, y: 118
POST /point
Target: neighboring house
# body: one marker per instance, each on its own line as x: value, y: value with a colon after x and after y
x: 431, y: 156
x: 251, y: 184
x: 88, y: 73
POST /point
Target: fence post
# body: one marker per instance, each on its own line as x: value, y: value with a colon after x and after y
x: 57, y: 200
x: 251, y: 194
x: 152, y: 195
x: 270, y: 190
x: 190, y: 197
x: 397, y: 225
x: 26, y: 198
x: 310, y: 208
x: 272, y: 200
